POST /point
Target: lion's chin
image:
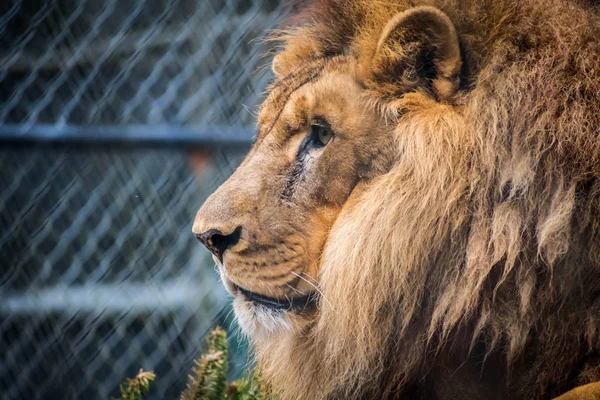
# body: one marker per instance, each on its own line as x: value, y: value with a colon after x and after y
x: 262, y: 317
x: 258, y: 321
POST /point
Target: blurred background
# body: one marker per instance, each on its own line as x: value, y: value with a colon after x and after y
x: 117, y: 119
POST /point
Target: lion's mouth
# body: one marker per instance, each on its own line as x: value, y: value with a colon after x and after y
x: 286, y: 304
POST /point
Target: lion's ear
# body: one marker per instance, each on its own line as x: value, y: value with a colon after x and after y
x: 418, y: 49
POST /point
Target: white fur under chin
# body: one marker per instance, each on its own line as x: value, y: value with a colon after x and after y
x: 260, y: 321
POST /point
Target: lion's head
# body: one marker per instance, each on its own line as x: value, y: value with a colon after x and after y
x: 269, y: 223
x: 321, y: 136
x: 409, y: 201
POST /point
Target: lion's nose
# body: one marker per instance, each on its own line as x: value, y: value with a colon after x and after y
x: 217, y: 242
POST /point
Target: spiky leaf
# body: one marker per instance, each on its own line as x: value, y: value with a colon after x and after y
x: 208, y: 380
x: 137, y: 388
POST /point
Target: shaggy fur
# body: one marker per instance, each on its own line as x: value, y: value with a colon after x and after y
x: 476, y: 259
x: 464, y: 260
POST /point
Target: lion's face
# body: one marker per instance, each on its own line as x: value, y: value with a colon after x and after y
x: 268, y: 224
x: 328, y: 125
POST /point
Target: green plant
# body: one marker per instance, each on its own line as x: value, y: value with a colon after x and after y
x: 136, y: 388
x: 247, y: 388
x: 207, y: 380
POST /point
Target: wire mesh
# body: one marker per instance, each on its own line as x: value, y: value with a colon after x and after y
x: 148, y: 62
x: 99, y: 272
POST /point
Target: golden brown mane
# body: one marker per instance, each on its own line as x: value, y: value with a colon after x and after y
x: 499, y: 191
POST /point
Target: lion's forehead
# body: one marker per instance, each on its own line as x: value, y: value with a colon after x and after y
x: 283, y: 91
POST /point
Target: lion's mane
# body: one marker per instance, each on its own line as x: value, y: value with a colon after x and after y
x: 480, y: 246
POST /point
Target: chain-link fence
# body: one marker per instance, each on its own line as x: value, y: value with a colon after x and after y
x: 117, y: 119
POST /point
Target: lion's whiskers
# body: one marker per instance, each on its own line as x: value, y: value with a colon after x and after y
x: 295, y: 290
x: 313, y: 285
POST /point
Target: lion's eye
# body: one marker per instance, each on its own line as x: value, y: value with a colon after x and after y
x: 320, y: 135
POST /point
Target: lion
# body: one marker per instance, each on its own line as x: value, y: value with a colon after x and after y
x: 419, y: 214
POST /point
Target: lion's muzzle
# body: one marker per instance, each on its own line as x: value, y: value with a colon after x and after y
x: 260, y: 252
